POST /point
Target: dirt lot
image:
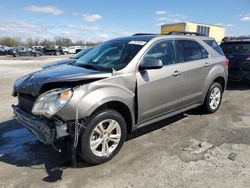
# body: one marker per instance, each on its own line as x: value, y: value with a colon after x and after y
x: 188, y: 150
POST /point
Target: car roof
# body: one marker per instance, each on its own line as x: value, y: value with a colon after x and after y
x: 148, y: 37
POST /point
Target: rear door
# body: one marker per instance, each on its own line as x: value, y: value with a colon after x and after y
x: 160, y: 90
x: 196, y: 65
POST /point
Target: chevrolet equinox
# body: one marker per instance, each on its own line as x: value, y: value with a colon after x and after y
x: 118, y: 87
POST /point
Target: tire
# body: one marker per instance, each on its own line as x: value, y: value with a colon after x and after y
x: 105, y: 119
x: 57, y: 53
x: 213, y: 98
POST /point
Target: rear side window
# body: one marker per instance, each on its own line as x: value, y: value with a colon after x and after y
x: 191, y: 50
x: 213, y: 44
x: 239, y: 48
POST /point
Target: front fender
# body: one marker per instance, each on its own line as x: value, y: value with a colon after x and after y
x: 87, y: 100
x: 89, y: 103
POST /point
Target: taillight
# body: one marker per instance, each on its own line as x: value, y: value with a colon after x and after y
x: 248, y: 58
x: 226, y: 62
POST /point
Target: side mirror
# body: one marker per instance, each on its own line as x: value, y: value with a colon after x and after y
x: 151, y: 63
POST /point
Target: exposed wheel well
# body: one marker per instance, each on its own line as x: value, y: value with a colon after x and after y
x: 122, y: 109
x: 221, y: 81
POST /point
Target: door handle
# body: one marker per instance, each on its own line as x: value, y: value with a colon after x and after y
x: 206, y: 64
x: 176, y: 73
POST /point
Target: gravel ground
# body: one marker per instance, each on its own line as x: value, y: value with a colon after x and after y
x: 188, y: 150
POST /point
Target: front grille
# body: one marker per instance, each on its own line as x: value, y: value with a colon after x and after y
x: 26, y: 102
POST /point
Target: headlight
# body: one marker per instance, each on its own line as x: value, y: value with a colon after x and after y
x: 51, y: 102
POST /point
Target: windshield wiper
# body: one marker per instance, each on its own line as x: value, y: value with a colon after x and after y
x: 94, y: 67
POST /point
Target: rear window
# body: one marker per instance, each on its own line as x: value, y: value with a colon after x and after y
x: 213, y: 44
x: 239, y: 48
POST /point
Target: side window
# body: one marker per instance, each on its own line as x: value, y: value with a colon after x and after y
x: 213, y: 44
x: 164, y: 51
x: 192, y: 50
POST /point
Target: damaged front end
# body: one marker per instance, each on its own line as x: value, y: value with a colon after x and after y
x: 41, y: 120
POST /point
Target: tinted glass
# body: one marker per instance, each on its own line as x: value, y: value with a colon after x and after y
x: 192, y: 50
x: 240, y: 48
x: 164, y: 51
x: 81, y: 53
x: 214, y: 45
x: 111, y: 55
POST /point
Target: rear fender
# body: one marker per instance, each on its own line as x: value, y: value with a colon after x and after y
x: 215, y: 72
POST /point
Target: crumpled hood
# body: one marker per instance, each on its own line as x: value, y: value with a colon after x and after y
x: 32, y: 83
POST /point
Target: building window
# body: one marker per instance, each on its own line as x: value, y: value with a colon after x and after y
x: 203, y: 30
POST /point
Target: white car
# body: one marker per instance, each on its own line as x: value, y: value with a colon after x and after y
x: 72, y: 49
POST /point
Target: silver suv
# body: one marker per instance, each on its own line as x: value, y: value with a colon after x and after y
x: 119, y: 86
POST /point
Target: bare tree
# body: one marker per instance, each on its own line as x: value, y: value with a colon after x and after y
x: 61, y: 41
x: 8, y: 41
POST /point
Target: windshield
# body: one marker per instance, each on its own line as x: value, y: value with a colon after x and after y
x: 111, y: 55
x: 239, y: 48
x: 81, y: 53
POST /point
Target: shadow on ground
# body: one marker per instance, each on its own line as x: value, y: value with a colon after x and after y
x: 20, y: 148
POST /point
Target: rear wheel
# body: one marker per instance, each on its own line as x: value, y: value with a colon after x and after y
x: 103, y: 137
x: 213, y: 98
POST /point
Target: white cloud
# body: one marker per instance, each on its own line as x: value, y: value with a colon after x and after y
x: 23, y: 29
x: 84, y: 27
x: 170, y: 18
x: 44, y: 9
x: 160, y: 24
x: 160, y: 12
x: 103, y: 36
x: 224, y: 25
x: 245, y: 18
x: 91, y: 18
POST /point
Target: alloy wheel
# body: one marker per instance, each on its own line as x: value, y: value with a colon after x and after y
x: 215, y: 97
x: 105, y: 138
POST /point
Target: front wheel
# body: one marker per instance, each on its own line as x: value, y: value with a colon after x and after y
x: 213, y: 98
x: 103, y: 137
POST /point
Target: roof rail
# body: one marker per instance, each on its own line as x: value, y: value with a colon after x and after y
x: 236, y: 39
x: 184, y: 33
x: 138, y: 34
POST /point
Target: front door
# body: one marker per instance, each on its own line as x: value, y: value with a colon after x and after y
x: 160, y: 90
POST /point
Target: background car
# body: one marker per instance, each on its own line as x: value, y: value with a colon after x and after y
x: 53, y: 50
x: 64, y: 50
x: 237, y: 50
x: 24, y: 51
x: 2, y: 50
x: 69, y: 60
x: 72, y: 49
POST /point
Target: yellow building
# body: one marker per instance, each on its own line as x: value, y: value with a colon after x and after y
x: 217, y: 32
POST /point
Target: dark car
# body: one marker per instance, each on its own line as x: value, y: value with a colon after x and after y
x: 237, y: 50
x: 2, y: 51
x: 53, y: 50
x: 24, y: 51
x: 69, y: 60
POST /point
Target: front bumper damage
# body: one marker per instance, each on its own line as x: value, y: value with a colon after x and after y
x: 41, y: 128
x: 47, y: 132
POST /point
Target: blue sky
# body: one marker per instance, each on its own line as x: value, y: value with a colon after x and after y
x: 97, y: 20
